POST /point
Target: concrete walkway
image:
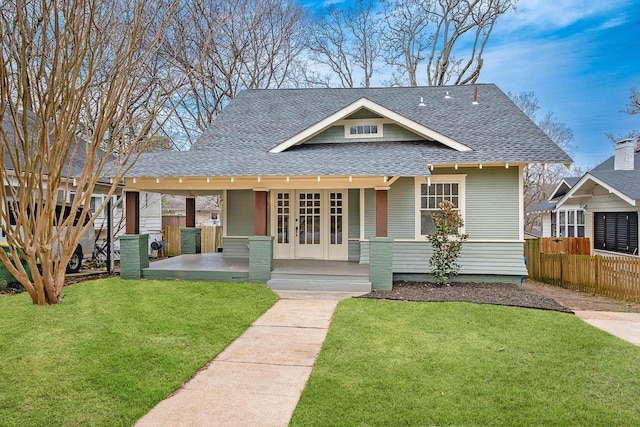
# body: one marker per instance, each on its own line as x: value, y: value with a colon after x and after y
x: 622, y: 325
x: 258, y: 379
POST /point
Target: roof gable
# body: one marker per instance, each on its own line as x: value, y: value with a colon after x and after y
x: 564, y: 186
x: 624, y: 184
x: 365, y: 104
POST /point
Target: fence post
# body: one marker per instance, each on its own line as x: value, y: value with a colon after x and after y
x: 596, y: 285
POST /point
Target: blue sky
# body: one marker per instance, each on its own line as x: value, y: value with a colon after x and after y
x: 580, y: 57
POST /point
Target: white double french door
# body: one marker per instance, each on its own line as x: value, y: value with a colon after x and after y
x: 310, y: 224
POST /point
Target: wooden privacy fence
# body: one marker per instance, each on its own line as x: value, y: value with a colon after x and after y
x: 565, y: 245
x: 615, y: 277
x: 211, y: 239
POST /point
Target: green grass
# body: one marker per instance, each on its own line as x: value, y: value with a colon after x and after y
x: 114, y: 348
x: 390, y: 363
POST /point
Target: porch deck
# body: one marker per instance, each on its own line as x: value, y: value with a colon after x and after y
x: 206, y: 266
x: 318, y: 275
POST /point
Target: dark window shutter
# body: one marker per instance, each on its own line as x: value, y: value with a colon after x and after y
x: 616, y: 231
x: 599, y: 231
x: 622, y: 232
x: 633, y: 233
x: 610, y: 231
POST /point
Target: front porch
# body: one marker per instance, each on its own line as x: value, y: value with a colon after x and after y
x: 309, y: 275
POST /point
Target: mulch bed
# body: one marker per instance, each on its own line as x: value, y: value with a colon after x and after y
x: 481, y: 293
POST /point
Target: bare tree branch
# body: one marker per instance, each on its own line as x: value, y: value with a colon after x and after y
x: 75, y: 76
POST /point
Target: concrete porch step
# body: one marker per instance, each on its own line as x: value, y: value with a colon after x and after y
x: 313, y: 282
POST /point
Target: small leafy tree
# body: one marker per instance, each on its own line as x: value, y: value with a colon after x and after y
x: 447, y: 242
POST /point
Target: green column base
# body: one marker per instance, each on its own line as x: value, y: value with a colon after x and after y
x: 260, y: 258
x: 381, y: 263
x: 190, y: 241
x: 134, y: 255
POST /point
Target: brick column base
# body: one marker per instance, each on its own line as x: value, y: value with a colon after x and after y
x: 190, y: 240
x: 260, y: 258
x: 381, y: 263
x: 134, y: 255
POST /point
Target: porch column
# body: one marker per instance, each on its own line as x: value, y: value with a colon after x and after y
x: 261, y: 213
x: 191, y: 212
x: 381, y: 212
x: 133, y: 212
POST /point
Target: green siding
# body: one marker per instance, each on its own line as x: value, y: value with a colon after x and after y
x: 401, y: 209
x: 390, y: 133
x: 354, y: 214
x: 503, y: 258
x: 364, y: 252
x: 235, y: 247
x: 354, y: 250
x: 424, y: 277
x: 369, y: 213
x: 240, y: 213
x: 492, y: 196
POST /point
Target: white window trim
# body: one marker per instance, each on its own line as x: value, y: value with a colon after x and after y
x: 459, y: 179
x: 564, y: 214
x: 363, y: 122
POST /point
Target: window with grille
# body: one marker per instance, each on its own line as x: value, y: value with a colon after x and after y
x: 429, y: 196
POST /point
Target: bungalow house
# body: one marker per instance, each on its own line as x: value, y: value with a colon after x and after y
x: 353, y: 175
x: 603, y: 204
x: 567, y: 221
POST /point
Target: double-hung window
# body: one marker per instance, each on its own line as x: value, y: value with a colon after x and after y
x: 570, y: 223
x: 432, y: 191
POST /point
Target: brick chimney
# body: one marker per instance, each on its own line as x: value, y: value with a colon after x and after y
x: 625, y: 151
x: 638, y: 145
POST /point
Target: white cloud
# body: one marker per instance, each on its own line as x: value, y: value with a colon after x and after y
x: 555, y: 14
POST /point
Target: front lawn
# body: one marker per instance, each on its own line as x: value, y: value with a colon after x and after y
x: 114, y: 348
x: 387, y: 363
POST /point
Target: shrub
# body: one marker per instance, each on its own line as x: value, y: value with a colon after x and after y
x: 447, y: 242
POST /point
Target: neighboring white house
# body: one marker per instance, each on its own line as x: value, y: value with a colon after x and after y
x: 603, y: 204
x: 567, y: 221
x: 207, y: 208
x: 150, y: 217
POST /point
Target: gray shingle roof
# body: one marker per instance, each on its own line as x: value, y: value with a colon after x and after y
x: 625, y: 181
x: 571, y: 180
x: 608, y: 164
x: 74, y: 162
x: 544, y: 206
x: 238, y: 141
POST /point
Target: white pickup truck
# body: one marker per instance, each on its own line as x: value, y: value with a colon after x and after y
x: 83, y: 251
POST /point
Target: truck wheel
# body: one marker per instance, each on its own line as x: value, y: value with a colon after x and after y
x: 75, y: 262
